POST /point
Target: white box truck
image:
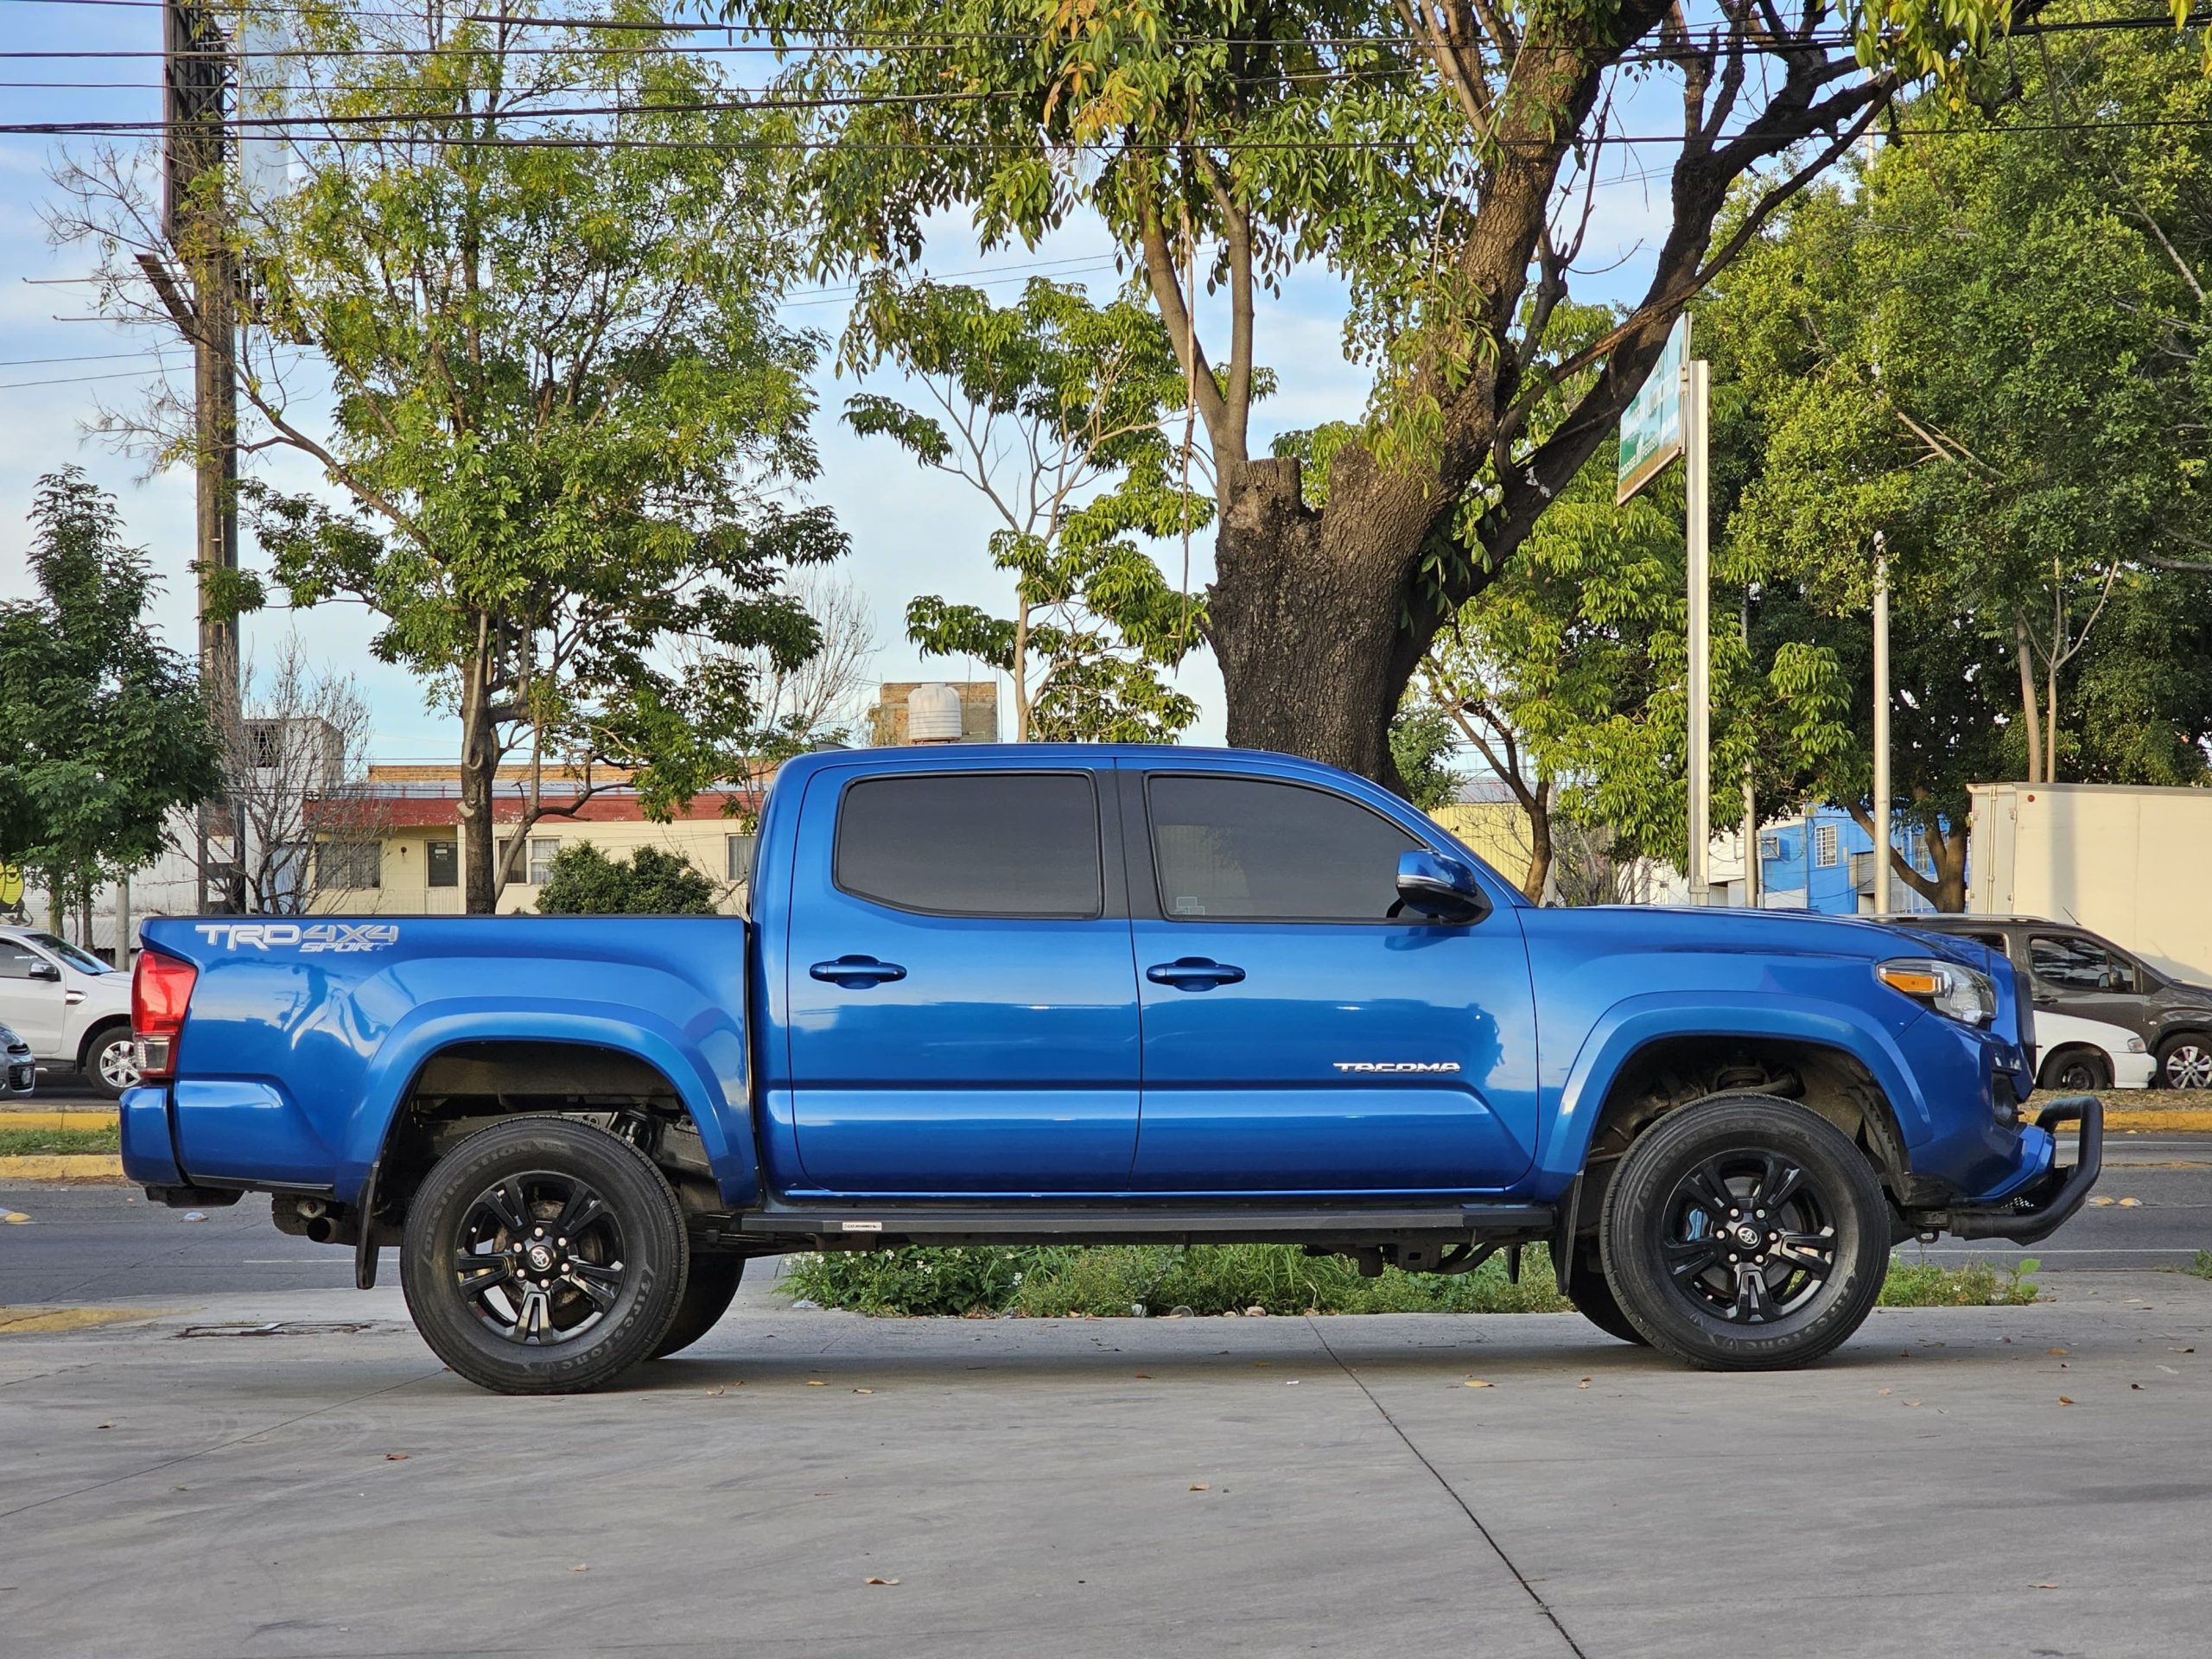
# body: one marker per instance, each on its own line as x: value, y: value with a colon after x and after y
x: 2134, y: 864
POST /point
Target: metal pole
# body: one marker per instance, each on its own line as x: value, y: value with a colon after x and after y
x: 1881, y: 803
x: 1697, y: 374
x: 1751, y: 787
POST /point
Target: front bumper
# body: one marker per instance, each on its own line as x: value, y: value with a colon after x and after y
x: 18, y: 1073
x: 2048, y: 1202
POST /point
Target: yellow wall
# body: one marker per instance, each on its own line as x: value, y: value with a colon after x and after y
x: 1497, y: 831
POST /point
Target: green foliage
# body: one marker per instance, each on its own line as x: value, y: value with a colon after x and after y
x: 1113, y: 1281
x: 584, y: 881
x: 1053, y: 409
x: 2201, y: 1265
x: 1929, y: 1284
x: 1421, y: 743
x: 102, y: 730
x: 564, y: 409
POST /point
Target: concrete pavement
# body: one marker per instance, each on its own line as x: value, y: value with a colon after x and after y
x: 200, y: 1484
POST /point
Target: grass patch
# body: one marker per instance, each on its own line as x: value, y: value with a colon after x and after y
x: 1977, y: 1284
x: 2202, y: 1265
x: 1117, y: 1281
x: 47, y: 1143
x: 1113, y: 1281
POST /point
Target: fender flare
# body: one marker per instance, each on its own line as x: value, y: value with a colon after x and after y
x: 1634, y: 1022
x: 426, y: 1031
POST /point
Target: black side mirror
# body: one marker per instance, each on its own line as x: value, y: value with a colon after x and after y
x: 1439, y: 887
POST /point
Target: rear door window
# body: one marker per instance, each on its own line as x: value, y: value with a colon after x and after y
x: 1008, y: 844
x: 2078, y: 964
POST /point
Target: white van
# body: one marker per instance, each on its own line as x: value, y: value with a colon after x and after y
x: 2074, y: 1054
x: 70, y: 1006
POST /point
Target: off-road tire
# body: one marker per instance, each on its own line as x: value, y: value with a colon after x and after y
x: 1593, y: 1298
x: 1646, y: 1210
x: 707, y: 1296
x: 640, y: 1207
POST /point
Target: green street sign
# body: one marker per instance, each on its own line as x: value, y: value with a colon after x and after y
x: 1651, y: 426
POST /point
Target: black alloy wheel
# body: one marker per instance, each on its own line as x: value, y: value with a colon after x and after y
x: 544, y: 1256
x: 2076, y: 1070
x: 1744, y: 1232
x: 2185, y: 1062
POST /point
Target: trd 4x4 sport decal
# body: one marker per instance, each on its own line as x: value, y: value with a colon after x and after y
x: 342, y: 939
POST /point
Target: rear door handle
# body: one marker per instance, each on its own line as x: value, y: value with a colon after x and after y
x: 1193, y: 973
x: 857, y: 973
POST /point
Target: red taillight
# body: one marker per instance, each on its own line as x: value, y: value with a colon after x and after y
x: 160, y: 988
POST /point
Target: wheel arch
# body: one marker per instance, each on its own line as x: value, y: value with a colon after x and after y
x: 94, y: 1033
x: 2047, y: 1063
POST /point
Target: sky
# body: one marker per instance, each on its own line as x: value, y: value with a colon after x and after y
x: 913, y: 531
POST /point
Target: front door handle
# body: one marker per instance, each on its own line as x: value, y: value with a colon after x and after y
x: 857, y: 973
x: 1193, y: 973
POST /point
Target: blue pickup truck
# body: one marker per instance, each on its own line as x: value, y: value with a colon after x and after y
x: 1097, y: 995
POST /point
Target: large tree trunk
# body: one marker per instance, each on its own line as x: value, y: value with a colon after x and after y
x: 1304, y: 614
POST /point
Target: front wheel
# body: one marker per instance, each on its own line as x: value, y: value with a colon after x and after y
x: 110, y: 1066
x: 1745, y: 1233
x: 544, y: 1257
x: 2185, y: 1062
x: 2076, y: 1070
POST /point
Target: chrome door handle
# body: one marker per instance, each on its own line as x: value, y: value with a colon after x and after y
x: 1193, y: 973
x: 857, y: 973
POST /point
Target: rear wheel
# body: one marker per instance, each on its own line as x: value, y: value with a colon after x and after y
x: 2185, y: 1062
x: 707, y: 1296
x: 110, y: 1066
x: 1593, y: 1298
x: 2075, y: 1070
x: 1745, y: 1233
x: 544, y: 1257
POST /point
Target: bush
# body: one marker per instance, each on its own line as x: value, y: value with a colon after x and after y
x: 584, y: 881
x: 1112, y: 1280
x: 1929, y: 1284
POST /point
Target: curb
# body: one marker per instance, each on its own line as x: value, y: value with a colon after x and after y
x: 2178, y: 1121
x: 63, y: 1166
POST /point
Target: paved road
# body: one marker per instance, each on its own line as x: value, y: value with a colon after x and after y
x: 99, y: 1243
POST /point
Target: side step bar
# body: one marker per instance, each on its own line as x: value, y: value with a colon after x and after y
x: 1152, y: 1223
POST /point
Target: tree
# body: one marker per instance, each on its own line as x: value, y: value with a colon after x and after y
x: 585, y: 881
x: 102, y: 730
x: 1983, y: 365
x: 1052, y: 408
x: 299, y: 819
x: 565, y: 418
x: 817, y: 698
x: 1441, y: 157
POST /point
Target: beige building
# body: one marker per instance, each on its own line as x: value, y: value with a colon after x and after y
x: 408, y: 863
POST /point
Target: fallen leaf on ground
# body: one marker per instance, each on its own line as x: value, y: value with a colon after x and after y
x: 2053, y: 1350
x: 1292, y: 1383
x: 1888, y: 1390
x: 864, y: 1390
x: 2042, y: 1586
x: 816, y: 1383
x: 397, y: 1457
x: 2101, y: 1202
x: 1584, y: 1384
x: 580, y: 1566
x: 2135, y: 1385
x: 1912, y: 1402
x: 2131, y: 1203
x: 1200, y: 1486
x: 1472, y: 1383
x: 883, y: 1580
x: 1143, y: 1376
x: 2065, y: 1400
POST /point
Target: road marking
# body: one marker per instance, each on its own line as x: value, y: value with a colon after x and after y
x: 30, y: 1321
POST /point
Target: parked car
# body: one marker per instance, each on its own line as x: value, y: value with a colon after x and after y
x: 72, y: 1009
x: 18, y: 1069
x: 2072, y: 1054
x: 1088, y: 994
x: 2071, y: 970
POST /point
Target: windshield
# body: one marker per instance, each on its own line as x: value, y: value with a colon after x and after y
x: 81, y: 961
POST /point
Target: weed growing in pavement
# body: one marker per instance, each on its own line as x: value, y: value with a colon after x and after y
x: 47, y: 1143
x: 1977, y: 1284
x: 2202, y: 1265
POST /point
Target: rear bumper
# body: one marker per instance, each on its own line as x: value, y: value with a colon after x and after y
x: 2048, y: 1203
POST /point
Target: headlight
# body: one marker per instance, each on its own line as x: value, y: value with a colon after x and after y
x: 1957, y: 993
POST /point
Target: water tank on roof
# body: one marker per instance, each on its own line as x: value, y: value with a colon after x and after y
x: 934, y: 715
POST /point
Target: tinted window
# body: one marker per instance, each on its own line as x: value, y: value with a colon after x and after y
x: 16, y: 961
x: 973, y: 843
x: 1241, y: 848
x: 2079, y: 965
x: 443, y: 859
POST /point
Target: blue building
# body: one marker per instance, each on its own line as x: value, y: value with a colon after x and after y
x: 1824, y: 861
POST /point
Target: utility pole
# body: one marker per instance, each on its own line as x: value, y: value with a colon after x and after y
x: 196, y: 70
x: 1752, y: 871
x: 1696, y: 388
x: 1881, y: 813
